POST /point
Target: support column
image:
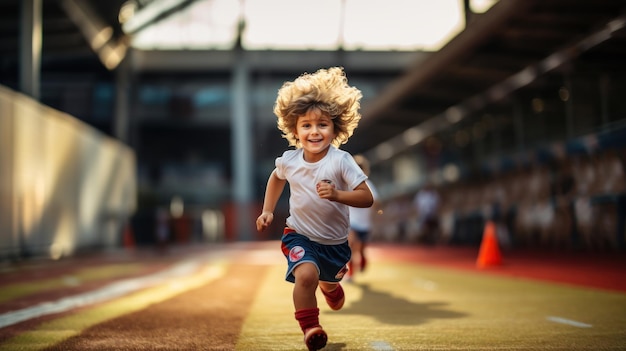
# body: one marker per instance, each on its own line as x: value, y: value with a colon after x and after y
x: 122, y: 100
x: 241, y: 136
x: 518, y: 118
x: 605, y: 101
x: 570, y: 121
x: 30, y: 47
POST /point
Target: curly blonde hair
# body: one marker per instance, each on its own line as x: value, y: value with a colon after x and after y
x: 326, y: 90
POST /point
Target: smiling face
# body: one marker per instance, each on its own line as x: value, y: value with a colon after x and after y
x: 315, y: 132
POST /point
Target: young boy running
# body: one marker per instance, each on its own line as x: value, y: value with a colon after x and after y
x: 316, y: 113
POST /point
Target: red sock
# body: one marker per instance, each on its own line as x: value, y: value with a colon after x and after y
x: 308, y: 318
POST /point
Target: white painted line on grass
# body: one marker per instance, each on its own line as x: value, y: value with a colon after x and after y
x: 108, y: 292
x: 381, y: 346
x: 425, y: 284
x: 568, y: 322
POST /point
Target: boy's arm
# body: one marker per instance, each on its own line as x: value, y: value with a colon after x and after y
x: 273, y: 191
x: 361, y: 196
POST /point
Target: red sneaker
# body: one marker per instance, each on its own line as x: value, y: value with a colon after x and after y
x: 315, y: 338
x: 336, y: 298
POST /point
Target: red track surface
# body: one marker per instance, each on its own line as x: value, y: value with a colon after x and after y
x: 596, y: 270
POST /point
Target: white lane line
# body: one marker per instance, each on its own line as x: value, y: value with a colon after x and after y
x: 108, y: 292
x: 568, y: 322
x: 425, y: 284
x: 381, y: 346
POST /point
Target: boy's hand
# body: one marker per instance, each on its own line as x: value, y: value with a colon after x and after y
x: 326, y: 190
x: 264, y: 221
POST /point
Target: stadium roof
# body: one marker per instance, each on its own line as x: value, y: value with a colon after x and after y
x: 500, y: 51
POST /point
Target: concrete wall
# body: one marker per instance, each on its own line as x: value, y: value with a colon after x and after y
x: 64, y: 186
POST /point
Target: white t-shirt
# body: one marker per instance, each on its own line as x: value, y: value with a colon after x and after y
x: 361, y: 218
x: 319, y: 219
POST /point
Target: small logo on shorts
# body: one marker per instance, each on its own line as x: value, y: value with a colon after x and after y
x: 342, y: 272
x: 296, y: 253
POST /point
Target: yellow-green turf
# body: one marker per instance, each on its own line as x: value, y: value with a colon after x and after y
x: 413, y: 307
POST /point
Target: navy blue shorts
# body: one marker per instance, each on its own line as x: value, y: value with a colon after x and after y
x: 331, y: 260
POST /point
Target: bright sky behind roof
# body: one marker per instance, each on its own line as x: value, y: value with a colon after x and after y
x: 403, y: 25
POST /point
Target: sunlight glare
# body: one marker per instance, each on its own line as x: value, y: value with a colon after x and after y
x: 284, y: 24
x: 401, y: 25
x: 205, y: 24
x: 303, y: 25
x: 481, y: 6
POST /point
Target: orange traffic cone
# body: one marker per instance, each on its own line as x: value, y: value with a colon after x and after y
x: 489, y: 254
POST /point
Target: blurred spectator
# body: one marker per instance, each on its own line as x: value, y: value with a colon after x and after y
x: 447, y: 214
x: 361, y: 224
x: 426, y: 204
x: 496, y: 200
x: 562, y: 192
